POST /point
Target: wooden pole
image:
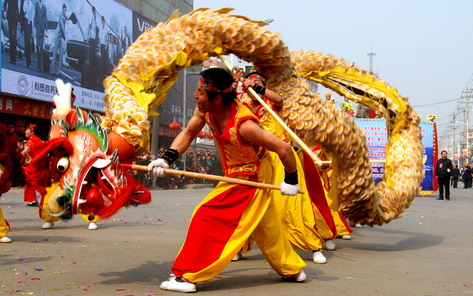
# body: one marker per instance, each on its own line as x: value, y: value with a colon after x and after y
x: 298, y: 140
x: 208, y: 177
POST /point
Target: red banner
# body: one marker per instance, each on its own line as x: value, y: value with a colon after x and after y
x: 25, y: 107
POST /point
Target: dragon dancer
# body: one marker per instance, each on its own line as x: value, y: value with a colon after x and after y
x: 226, y: 218
x: 306, y: 217
x: 6, y: 167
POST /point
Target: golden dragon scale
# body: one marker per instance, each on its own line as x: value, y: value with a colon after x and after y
x: 150, y: 66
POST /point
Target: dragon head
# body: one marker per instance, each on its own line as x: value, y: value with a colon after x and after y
x: 76, y: 169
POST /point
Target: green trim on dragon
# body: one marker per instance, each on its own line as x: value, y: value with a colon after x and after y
x: 92, y: 125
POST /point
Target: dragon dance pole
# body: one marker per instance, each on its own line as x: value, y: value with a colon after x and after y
x: 207, y: 177
x: 293, y: 135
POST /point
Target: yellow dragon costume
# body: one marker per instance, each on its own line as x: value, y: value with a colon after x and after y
x: 150, y: 66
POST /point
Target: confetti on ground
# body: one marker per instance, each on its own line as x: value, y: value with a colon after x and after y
x: 74, y: 262
x: 34, y: 279
x: 38, y: 269
x: 54, y: 289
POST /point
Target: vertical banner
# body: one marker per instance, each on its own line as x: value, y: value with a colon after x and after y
x: 79, y: 41
x: 376, y: 135
x: 428, y: 149
x: 376, y: 138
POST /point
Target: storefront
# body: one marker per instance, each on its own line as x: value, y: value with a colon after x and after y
x: 18, y: 113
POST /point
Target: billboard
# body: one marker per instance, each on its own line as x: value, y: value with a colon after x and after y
x: 377, y: 137
x: 79, y: 41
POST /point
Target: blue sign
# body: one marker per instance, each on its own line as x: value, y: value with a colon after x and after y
x: 376, y: 134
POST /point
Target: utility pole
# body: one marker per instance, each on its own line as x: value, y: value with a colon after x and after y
x: 184, y: 112
x: 466, y: 95
x: 455, y: 140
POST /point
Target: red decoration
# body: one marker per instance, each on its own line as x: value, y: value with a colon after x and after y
x: 210, y: 135
x: 175, y: 126
x: 201, y: 134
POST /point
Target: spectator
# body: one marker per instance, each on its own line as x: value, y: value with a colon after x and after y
x: 443, y: 171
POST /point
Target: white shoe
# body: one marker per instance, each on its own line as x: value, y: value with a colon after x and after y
x: 346, y: 236
x: 330, y: 245
x: 238, y: 257
x: 318, y: 257
x: 5, y: 239
x: 173, y: 285
x: 48, y: 225
x: 93, y: 226
x: 358, y: 225
x: 299, y: 277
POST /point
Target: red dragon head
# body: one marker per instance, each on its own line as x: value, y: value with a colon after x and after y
x: 75, y: 170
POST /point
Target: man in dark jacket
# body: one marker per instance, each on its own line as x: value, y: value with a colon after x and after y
x: 443, y: 171
x: 466, y: 174
x: 455, y: 175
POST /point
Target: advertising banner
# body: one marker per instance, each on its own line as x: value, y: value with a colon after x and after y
x: 376, y: 135
x: 429, y: 146
x: 376, y: 138
x: 19, y: 106
x: 79, y: 41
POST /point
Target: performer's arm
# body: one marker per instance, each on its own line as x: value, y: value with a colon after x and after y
x: 185, y: 138
x: 263, y: 91
x: 252, y: 133
x: 179, y: 145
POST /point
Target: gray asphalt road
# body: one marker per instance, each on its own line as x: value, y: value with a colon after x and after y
x: 426, y: 252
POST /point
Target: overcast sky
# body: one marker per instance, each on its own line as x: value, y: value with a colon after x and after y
x: 424, y: 48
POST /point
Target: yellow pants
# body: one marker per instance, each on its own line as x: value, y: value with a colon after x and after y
x: 224, y: 221
x: 302, y: 221
x: 4, y: 226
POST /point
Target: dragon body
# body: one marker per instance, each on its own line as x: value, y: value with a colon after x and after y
x: 151, y: 64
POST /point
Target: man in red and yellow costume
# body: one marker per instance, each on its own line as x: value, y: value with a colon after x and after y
x: 306, y: 217
x: 226, y: 218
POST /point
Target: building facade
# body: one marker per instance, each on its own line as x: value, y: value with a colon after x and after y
x: 79, y: 42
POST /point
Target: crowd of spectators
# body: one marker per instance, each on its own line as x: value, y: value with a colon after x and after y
x: 203, y: 161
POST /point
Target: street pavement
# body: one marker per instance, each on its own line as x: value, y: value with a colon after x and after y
x: 428, y: 251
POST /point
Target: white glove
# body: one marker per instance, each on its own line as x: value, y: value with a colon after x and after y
x: 157, y: 167
x: 288, y: 189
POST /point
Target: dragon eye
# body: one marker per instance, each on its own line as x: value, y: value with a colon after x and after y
x: 63, y: 164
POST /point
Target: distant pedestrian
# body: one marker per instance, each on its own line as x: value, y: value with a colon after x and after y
x: 443, y: 171
x: 455, y: 175
x: 466, y: 177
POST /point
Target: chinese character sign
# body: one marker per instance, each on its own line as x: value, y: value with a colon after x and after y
x: 429, y: 150
x: 376, y: 138
x: 376, y: 135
